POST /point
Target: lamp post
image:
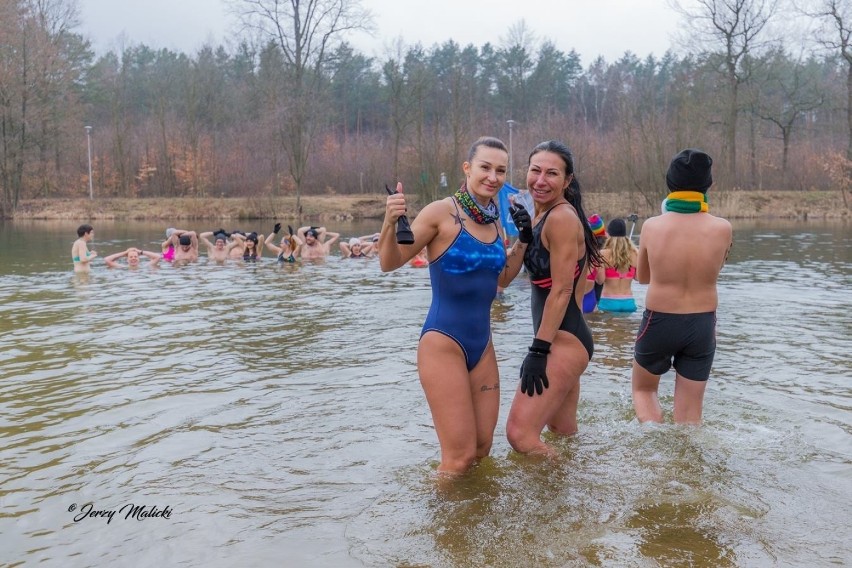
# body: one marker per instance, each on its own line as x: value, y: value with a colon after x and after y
x: 89, y: 144
x: 511, y: 179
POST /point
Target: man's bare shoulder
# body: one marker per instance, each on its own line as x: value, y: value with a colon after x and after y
x: 651, y: 223
x: 721, y: 222
x: 674, y: 219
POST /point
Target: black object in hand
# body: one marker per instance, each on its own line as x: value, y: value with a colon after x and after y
x: 633, y: 217
x: 522, y: 220
x: 276, y: 228
x: 404, y: 236
x: 290, y: 230
x: 534, y: 368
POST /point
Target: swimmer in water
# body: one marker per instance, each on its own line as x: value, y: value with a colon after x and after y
x: 317, y: 242
x: 186, y: 247
x: 133, y: 256
x: 220, y: 247
x: 355, y: 248
x: 81, y: 256
x: 289, y: 246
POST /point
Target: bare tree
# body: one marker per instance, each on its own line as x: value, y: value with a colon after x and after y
x: 730, y: 30
x: 38, y: 55
x: 834, y: 18
x: 403, y: 85
x: 788, y: 89
x: 305, y: 31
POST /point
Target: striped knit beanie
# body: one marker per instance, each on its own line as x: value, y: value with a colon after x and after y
x: 597, y: 225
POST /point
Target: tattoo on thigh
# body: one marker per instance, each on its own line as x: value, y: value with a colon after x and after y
x: 484, y: 388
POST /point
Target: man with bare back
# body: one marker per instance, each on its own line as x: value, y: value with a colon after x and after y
x: 681, y: 253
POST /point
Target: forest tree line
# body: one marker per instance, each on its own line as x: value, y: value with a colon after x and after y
x: 276, y: 113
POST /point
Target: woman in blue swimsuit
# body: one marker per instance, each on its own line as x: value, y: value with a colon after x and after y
x: 455, y: 356
x: 561, y: 243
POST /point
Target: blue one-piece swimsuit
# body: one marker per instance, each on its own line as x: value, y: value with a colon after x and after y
x: 464, y: 284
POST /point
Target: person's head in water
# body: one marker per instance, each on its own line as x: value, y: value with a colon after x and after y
x: 86, y: 231
x: 288, y: 244
x: 221, y: 240
x: 355, y: 246
x: 251, y: 243
x: 311, y: 236
x: 133, y: 257
x: 185, y: 243
x: 689, y: 170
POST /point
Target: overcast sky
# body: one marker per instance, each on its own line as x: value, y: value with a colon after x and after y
x: 591, y: 27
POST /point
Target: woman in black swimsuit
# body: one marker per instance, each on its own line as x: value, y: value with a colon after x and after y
x: 560, y: 245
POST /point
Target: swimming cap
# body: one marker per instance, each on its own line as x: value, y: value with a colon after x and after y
x: 169, y: 232
x: 354, y: 241
x: 617, y: 228
x: 690, y: 170
x: 185, y: 240
x: 597, y: 225
x: 220, y: 237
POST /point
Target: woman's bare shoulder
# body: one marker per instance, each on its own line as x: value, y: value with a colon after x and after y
x: 565, y: 217
x: 437, y: 210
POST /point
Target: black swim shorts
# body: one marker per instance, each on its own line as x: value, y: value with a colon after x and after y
x: 686, y: 340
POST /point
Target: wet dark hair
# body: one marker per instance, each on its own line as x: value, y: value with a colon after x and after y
x: 83, y: 229
x: 488, y: 142
x: 573, y: 196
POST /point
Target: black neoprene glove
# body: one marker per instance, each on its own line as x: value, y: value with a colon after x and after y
x: 290, y: 229
x: 276, y: 228
x: 533, y: 369
x: 523, y: 222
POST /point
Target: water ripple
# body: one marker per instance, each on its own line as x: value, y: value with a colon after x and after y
x: 277, y: 412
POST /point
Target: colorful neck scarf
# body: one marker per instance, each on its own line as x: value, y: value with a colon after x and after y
x: 687, y: 202
x: 480, y: 215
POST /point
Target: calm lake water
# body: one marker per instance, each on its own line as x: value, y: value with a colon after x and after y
x: 276, y: 413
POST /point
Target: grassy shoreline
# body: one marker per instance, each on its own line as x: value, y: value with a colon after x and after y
x: 731, y: 204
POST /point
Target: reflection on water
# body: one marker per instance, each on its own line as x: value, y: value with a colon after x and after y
x: 276, y: 411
